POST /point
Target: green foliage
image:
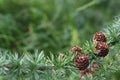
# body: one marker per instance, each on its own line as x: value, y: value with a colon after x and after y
x: 113, y: 32
x: 34, y: 66
x: 38, y: 66
x: 44, y: 24
x: 53, y: 26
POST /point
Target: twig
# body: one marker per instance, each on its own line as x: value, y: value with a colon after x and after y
x: 39, y: 68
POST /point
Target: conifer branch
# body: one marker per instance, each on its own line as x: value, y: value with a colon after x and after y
x: 42, y: 68
x: 38, y: 66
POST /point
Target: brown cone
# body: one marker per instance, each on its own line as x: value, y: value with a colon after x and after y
x: 61, y: 55
x: 81, y: 61
x: 99, y: 36
x: 102, y: 49
x: 75, y: 49
x: 86, y: 72
x: 94, y: 66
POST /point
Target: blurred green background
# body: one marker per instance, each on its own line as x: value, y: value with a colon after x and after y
x: 52, y: 25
